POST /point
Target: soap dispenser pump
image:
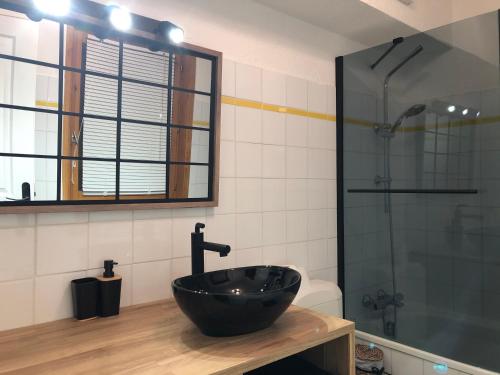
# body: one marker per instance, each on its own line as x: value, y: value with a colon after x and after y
x: 110, y: 288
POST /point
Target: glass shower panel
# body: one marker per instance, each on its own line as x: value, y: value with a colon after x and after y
x: 422, y: 191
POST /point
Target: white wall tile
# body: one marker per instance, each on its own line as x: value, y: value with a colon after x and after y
x: 317, y: 254
x: 17, y: 253
x: 62, y: 218
x: 331, y: 164
x: 274, y: 255
x: 248, y: 195
x: 273, y: 88
x: 248, y: 230
x: 249, y: 257
x: 248, y: 82
x: 296, y: 254
x: 320, y: 134
x: 296, y: 162
x: 332, y: 252
x: 317, y: 97
x: 296, y: 226
x: 248, y: 160
x: 152, y: 240
x: 227, y: 159
x: 180, y: 267
x: 317, y: 193
x: 296, y: 130
x: 274, y: 228
x: 296, y: 194
x: 152, y: 214
x: 221, y: 229
x: 273, y: 128
x: 406, y: 364
x: 273, y: 161
x: 181, y: 229
x: 273, y: 194
x: 227, y: 196
x: 110, y: 240
x: 296, y: 92
x: 68, y: 253
x: 228, y: 78
x: 16, y: 310
x: 151, y: 281
x: 326, y: 274
x: 331, y: 100
x: 332, y: 223
x: 53, y: 298
x: 248, y: 125
x: 317, y: 224
x: 214, y: 262
x: 332, y: 194
x: 228, y: 120
x: 17, y: 220
x: 317, y: 164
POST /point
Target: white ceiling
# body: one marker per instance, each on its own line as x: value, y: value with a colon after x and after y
x: 350, y: 18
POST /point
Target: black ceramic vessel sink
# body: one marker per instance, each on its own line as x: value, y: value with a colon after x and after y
x: 236, y: 301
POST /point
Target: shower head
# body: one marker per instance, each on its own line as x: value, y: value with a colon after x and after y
x: 410, y: 112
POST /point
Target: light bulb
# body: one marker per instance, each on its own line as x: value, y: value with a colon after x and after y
x: 478, y: 114
x: 465, y: 111
x: 120, y: 18
x: 451, y: 108
x: 58, y: 8
x: 176, y: 35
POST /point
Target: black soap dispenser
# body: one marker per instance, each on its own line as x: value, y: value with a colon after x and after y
x: 110, y: 290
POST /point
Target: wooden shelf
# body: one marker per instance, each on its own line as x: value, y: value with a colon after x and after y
x: 158, y: 339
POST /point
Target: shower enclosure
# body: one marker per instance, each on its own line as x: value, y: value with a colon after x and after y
x: 418, y: 144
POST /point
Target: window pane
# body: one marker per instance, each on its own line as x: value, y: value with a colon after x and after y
x: 145, y: 65
x: 147, y: 180
x: 27, y: 132
x: 40, y: 174
x: 190, y: 109
x: 189, y: 146
x: 143, y: 142
x: 144, y: 103
x: 98, y: 178
x: 21, y: 37
x: 28, y: 85
x: 193, y: 73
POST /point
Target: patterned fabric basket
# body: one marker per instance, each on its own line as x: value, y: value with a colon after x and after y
x: 369, y: 360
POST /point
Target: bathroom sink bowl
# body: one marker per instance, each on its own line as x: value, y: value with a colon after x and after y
x: 236, y: 301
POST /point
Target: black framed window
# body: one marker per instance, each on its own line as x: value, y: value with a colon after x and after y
x: 137, y: 127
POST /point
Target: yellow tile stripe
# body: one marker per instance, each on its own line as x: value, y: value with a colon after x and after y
x: 321, y: 116
x: 276, y: 108
x: 45, y: 103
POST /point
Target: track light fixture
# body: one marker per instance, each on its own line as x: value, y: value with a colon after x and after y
x: 58, y: 8
x: 173, y: 32
x: 120, y: 17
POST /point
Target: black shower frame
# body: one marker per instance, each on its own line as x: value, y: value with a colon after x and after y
x: 86, y: 7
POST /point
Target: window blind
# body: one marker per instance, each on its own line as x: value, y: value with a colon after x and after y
x: 139, y: 102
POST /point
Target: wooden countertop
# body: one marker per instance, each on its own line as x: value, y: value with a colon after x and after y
x: 158, y: 339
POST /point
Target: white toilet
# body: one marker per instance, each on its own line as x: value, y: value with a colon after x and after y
x: 319, y: 295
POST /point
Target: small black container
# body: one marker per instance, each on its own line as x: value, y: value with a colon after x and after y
x: 110, y: 286
x: 85, y: 298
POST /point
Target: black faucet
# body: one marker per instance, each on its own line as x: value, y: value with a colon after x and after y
x: 198, y: 247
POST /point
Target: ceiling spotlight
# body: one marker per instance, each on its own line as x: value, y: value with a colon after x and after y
x: 465, y: 111
x: 451, y: 108
x: 176, y: 35
x: 58, y: 8
x: 478, y: 114
x: 120, y: 18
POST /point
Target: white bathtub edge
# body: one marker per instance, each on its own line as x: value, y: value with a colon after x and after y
x: 423, y: 355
